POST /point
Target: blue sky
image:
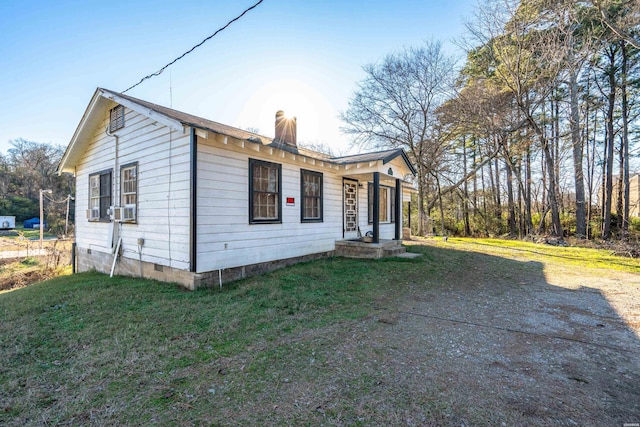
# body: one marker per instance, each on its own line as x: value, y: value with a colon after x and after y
x: 305, y: 56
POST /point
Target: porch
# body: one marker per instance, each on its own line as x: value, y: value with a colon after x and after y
x: 356, y: 248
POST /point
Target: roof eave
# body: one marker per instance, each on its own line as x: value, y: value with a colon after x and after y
x: 404, y: 157
x: 170, y: 122
x: 62, y: 165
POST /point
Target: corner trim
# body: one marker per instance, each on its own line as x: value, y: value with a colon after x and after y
x: 193, y: 221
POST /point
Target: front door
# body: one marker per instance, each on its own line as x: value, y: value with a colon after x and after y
x: 350, y: 220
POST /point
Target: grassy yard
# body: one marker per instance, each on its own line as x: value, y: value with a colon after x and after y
x: 20, y: 233
x: 23, y: 261
x: 89, y: 349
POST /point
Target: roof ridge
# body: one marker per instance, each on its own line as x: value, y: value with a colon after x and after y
x: 164, y: 110
x: 369, y: 152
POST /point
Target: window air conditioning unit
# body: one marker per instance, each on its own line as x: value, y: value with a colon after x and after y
x: 129, y: 213
x: 93, y: 214
x: 115, y: 213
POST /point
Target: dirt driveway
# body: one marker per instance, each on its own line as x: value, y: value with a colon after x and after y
x: 508, y: 342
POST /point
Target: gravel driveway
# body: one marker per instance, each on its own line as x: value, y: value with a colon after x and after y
x: 520, y: 343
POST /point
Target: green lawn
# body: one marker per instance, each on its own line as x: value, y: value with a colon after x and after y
x: 28, y: 233
x: 516, y: 249
x: 89, y: 349
x: 80, y: 344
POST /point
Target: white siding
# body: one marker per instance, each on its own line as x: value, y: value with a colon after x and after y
x: 225, y: 237
x: 387, y: 229
x: 163, y: 190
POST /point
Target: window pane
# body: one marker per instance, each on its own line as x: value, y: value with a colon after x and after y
x: 370, y: 202
x: 265, y: 206
x: 311, y: 195
x: 383, y: 204
x: 273, y: 180
x: 311, y: 185
x: 392, y: 195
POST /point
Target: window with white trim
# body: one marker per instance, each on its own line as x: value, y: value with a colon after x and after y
x: 129, y: 192
x: 129, y: 180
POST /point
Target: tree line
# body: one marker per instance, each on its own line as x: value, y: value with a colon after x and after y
x: 27, y: 168
x: 533, y: 134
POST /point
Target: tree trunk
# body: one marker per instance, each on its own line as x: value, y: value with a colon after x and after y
x: 590, y: 158
x: 527, y: 196
x: 625, y: 138
x: 556, y: 226
x: 442, y: 231
x: 513, y: 230
x: 475, y: 178
x: 619, y: 191
x: 578, y: 150
x: 465, y: 189
x: 542, y: 209
x: 556, y: 151
x: 606, y: 226
x: 484, y: 192
x: 498, y: 195
x: 421, y: 202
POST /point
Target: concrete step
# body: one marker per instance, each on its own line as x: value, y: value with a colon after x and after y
x: 394, y: 251
x: 358, y: 249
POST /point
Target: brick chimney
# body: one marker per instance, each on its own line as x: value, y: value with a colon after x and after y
x: 286, y: 129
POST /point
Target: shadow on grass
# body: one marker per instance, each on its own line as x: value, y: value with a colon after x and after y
x: 627, y: 265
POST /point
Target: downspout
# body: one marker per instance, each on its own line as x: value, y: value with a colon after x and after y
x: 376, y: 207
x: 74, y: 245
x: 115, y: 186
x: 193, y: 222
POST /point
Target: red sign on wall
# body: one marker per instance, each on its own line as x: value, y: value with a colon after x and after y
x: 291, y: 201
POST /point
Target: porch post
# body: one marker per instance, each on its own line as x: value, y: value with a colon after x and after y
x: 398, y: 212
x: 376, y: 207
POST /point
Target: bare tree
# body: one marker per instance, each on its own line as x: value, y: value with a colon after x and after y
x: 525, y: 58
x: 395, y: 105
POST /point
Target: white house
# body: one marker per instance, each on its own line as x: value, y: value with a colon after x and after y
x: 175, y: 197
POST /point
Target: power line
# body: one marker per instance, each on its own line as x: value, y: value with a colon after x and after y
x: 51, y: 199
x: 157, y: 73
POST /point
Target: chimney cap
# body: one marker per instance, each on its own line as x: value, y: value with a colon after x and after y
x: 280, y: 114
x: 286, y: 131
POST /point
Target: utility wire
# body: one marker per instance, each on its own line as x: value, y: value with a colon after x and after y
x: 57, y: 201
x: 157, y: 73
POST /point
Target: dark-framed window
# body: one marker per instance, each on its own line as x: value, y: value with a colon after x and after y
x: 265, y: 192
x: 387, y: 203
x: 116, y: 118
x: 310, y: 196
x: 100, y: 195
